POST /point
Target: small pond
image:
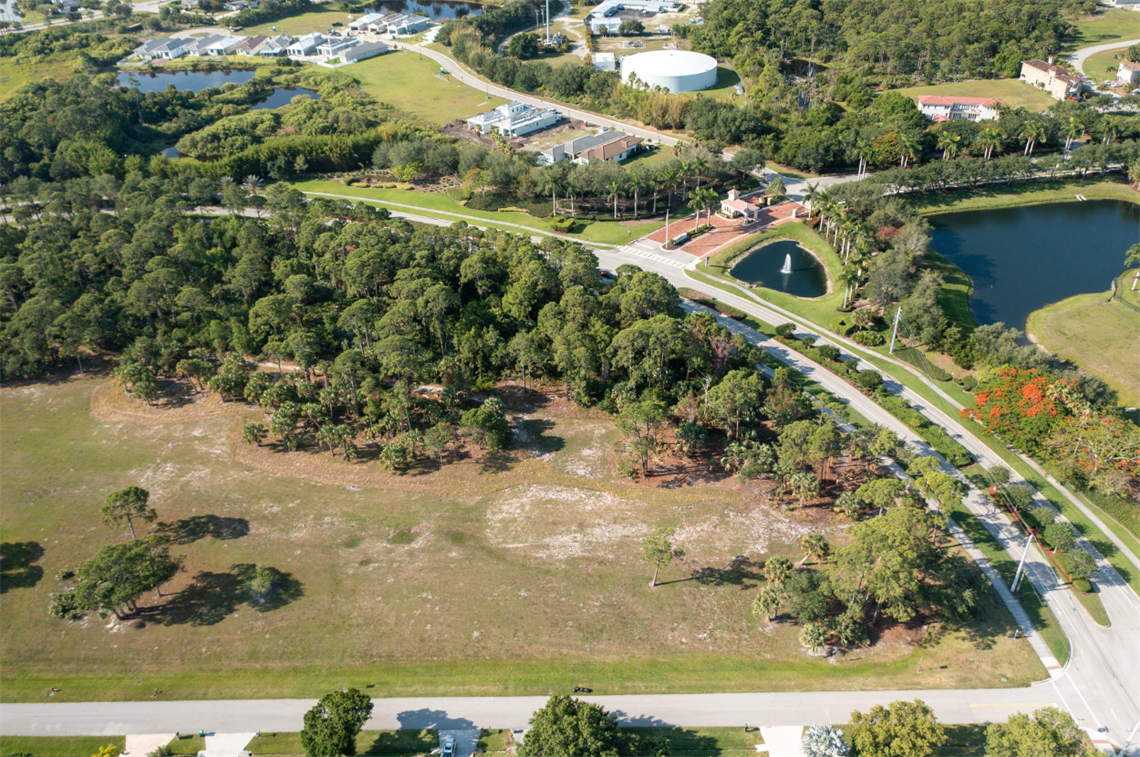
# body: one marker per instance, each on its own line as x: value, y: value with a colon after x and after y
x: 282, y: 95
x: 1022, y: 259
x: 441, y: 11
x: 191, y: 81
x: 196, y: 81
x: 784, y: 266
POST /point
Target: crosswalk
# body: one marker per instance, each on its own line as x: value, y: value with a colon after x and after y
x: 645, y: 250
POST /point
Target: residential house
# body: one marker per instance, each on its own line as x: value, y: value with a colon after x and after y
x: 199, y: 45
x: 364, y: 22
x: 237, y: 5
x: 306, y: 45
x: 605, y: 145
x: 1052, y: 78
x: 514, y: 119
x: 250, y: 45
x: 604, y: 61
x: 224, y: 46
x: 940, y: 108
x: 276, y: 46
x: 166, y: 49
x: 332, y: 48
x: 1128, y: 72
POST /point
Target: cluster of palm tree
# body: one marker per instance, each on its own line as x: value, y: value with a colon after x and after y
x: 565, y: 180
x: 849, y: 236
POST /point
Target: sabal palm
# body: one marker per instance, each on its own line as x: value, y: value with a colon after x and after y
x: 1033, y: 133
x: 699, y: 164
x: 990, y: 139
x: 614, y: 194
x: 1072, y: 131
x: 1109, y: 127
x: 948, y: 144
x: 908, y: 149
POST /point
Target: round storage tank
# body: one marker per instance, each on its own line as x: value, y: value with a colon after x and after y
x: 674, y: 70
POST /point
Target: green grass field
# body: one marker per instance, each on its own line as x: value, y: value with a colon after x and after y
x: 1023, y: 193
x: 819, y: 309
x: 413, y: 83
x: 1101, y: 337
x: 367, y: 743
x: 1104, y: 26
x: 300, y: 24
x: 1103, y: 66
x: 522, y: 577
x: 1014, y: 93
x: 59, y: 746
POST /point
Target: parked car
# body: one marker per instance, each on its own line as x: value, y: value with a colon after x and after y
x: 337, y: 23
x: 448, y: 747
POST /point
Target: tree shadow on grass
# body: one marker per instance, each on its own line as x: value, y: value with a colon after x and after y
x: 189, y: 530
x: 740, y: 572
x: 212, y: 597
x: 18, y: 569
x: 421, y: 741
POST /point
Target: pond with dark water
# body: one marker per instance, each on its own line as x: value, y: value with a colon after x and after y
x: 1022, y: 259
x: 196, y: 81
x: 784, y: 266
x: 438, y: 11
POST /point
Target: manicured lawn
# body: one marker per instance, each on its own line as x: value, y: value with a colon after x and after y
x: 59, y: 746
x: 413, y: 83
x: 1023, y: 193
x: 188, y: 744
x: 1043, y: 618
x: 1014, y: 93
x: 1104, y: 26
x: 725, y: 87
x: 367, y: 743
x: 1102, y: 66
x: 501, y: 569
x: 599, y: 231
x: 819, y: 309
x: 300, y: 24
x: 706, y: 741
x: 1101, y: 337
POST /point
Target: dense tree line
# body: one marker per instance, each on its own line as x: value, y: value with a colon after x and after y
x: 933, y: 41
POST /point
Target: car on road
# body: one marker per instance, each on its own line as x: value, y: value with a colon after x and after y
x: 447, y: 747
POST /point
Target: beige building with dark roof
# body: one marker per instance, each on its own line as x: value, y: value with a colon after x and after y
x: 1055, y: 80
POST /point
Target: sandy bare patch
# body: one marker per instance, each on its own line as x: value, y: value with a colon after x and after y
x: 110, y: 403
x: 559, y: 522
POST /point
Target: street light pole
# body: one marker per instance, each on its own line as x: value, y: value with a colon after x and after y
x: 1021, y: 565
x: 895, y: 331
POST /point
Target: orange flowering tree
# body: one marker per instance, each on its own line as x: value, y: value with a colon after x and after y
x: 1037, y: 412
x: 1021, y: 406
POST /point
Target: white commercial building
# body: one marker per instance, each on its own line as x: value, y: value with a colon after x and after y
x: 604, y: 61
x: 605, y: 145
x: 514, y: 119
x: 361, y: 24
x: 363, y: 51
x: 673, y: 70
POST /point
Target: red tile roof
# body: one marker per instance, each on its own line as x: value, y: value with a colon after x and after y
x: 944, y: 100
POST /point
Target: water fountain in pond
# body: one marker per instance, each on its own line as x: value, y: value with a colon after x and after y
x: 787, y: 264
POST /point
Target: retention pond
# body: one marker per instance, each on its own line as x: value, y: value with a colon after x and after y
x: 1022, y: 259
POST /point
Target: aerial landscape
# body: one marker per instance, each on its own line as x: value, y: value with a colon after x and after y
x: 567, y: 379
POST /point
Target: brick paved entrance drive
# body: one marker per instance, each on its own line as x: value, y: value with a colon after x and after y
x: 727, y: 230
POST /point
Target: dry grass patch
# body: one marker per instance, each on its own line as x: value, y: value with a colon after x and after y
x: 513, y: 577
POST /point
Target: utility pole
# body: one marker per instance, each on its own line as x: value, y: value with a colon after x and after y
x: 666, y: 227
x: 1021, y: 566
x: 895, y: 330
x: 548, y: 21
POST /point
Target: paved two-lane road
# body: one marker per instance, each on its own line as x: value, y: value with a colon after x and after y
x: 457, y: 713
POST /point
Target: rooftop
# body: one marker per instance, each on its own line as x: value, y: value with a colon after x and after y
x: 990, y: 102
